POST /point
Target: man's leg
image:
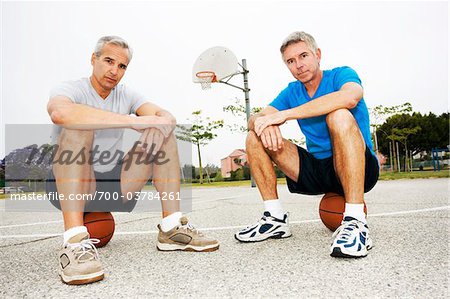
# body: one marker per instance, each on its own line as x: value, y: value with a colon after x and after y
x: 76, y: 179
x: 174, y: 232
x: 261, y: 165
x: 352, y: 237
x: 165, y: 176
x: 349, y: 154
x: 73, y: 178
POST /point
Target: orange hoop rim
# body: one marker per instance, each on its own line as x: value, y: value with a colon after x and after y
x: 207, y: 75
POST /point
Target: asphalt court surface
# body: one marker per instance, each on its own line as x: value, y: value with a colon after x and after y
x: 408, y: 220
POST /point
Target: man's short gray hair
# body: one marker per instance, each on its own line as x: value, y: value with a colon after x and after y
x: 299, y: 36
x: 115, y: 40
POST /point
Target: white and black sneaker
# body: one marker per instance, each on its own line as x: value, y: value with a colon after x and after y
x: 267, y: 227
x: 351, y: 239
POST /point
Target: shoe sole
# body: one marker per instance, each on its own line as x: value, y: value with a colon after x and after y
x: 82, y: 279
x: 338, y: 253
x: 271, y: 237
x: 176, y: 247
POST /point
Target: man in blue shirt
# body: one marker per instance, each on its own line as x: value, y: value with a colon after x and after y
x: 330, y: 110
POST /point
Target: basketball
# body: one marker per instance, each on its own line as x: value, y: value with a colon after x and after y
x: 100, y: 225
x: 331, y: 210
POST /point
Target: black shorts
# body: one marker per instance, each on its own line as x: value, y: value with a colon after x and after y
x: 318, y: 176
x: 108, y: 197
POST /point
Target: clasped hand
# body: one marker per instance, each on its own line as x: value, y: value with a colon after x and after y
x: 154, y: 129
x: 267, y: 128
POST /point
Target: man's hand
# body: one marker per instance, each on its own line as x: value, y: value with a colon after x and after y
x: 166, y: 124
x: 271, y: 138
x: 169, y: 118
x: 151, y: 140
x: 265, y: 121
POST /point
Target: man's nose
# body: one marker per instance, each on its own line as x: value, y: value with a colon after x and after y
x: 299, y: 64
x: 113, y: 70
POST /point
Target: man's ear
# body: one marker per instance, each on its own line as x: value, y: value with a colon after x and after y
x: 93, y: 57
x: 319, y: 54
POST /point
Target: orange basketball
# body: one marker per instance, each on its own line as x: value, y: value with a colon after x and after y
x: 331, y: 210
x: 100, y: 225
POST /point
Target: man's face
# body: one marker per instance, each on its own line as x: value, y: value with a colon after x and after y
x: 302, y: 62
x: 109, y: 68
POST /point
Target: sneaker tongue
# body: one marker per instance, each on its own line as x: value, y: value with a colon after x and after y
x: 78, y: 238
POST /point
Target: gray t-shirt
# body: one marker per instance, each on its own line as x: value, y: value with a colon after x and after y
x: 121, y: 100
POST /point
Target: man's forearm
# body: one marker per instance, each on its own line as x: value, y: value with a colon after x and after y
x: 322, y: 106
x: 78, y: 116
x: 165, y: 113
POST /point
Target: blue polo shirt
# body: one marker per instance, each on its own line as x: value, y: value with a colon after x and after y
x: 315, y: 129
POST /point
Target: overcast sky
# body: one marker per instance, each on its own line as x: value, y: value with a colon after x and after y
x: 399, y: 49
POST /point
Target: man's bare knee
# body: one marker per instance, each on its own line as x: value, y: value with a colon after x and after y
x: 340, y: 120
x: 252, y: 140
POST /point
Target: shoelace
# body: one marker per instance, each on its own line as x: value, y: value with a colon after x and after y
x: 260, y: 221
x: 192, y: 228
x: 87, y: 248
x: 345, y: 230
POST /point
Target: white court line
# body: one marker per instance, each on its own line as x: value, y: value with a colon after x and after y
x: 215, y: 199
x: 28, y: 224
x: 233, y: 227
x: 30, y: 236
x: 410, y: 212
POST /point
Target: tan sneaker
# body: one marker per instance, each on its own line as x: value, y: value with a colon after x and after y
x: 78, y: 261
x: 185, y: 237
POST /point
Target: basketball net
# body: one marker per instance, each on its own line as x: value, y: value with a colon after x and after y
x: 205, y: 79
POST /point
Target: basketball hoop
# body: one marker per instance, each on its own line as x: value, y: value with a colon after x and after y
x: 206, y: 78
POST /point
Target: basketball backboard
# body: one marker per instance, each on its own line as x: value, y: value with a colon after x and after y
x: 218, y: 60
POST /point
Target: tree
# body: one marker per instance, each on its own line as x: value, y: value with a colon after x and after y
x: 433, y: 131
x: 238, y: 111
x: 402, y: 136
x: 218, y: 177
x: 415, y: 132
x: 379, y: 114
x: 237, y: 175
x: 200, y: 133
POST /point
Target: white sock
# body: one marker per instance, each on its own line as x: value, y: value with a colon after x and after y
x: 71, y: 232
x: 273, y: 206
x: 356, y: 211
x: 169, y: 222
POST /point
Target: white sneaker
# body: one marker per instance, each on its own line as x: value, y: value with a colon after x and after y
x: 351, y: 239
x: 79, y: 262
x: 267, y: 227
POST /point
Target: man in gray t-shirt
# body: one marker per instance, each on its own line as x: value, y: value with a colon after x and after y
x: 121, y: 100
x: 91, y: 114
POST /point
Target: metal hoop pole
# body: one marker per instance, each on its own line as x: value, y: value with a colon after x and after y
x: 247, y: 104
x: 246, y: 91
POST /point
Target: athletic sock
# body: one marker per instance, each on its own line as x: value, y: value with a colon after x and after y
x: 356, y: 211
x: 171, y: 221
x: 273, y: 206
x: 72, y: 232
